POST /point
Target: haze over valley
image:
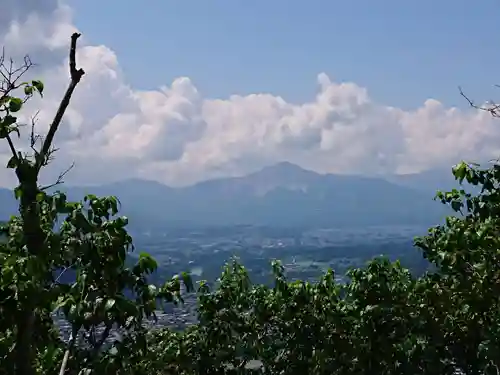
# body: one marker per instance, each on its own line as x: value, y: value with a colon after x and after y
x: 282, y: 195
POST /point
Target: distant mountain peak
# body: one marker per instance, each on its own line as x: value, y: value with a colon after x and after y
x: 283, y: 169
x: 283, y: 194
x: 281, y: 175
x: 286, y: 165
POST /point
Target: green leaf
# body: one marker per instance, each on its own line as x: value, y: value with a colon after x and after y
x: 61, y: 302
x: 38, y: 85
x: 188, y: 282
x: 4, y: 99
x: 459, y: 171
x: 28, y: 90
x: 109, y: 304
x: 18, y: 192
x: 72, y: 313
x: 8, y: 120
x: 147, y: 263
x: 15, y: 104
x: 40, y: 196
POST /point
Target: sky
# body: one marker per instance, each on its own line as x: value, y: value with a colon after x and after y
x: 184, y: 91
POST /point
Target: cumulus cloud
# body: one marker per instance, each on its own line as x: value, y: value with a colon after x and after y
x: 176, y: 135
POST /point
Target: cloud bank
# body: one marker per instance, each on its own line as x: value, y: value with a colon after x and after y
x: 177, y: 136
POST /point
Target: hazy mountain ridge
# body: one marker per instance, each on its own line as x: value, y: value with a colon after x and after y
x: 427, y: 181
x: 279, y: 195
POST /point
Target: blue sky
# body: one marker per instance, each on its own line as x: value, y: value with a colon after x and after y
x: 403, y: 52
x: 172, y: 116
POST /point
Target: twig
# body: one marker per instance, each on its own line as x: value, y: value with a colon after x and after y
x: 10, y: 77
x: 34, y: 137
x: 60, y: 178
x: 60, y: 275
x: 68, y: 350
x: 76, y: 75
x: 493, y: 109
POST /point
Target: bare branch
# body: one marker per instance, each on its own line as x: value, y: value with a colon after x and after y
x: 61, y: 274
x: 34, y: 137
x: 71, y: 343
x: 76, y: 75
x: 10, y: 76
x: 493, y: 108
x: 60, y: 178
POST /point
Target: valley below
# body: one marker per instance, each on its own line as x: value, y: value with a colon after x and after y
x: 305, y: 254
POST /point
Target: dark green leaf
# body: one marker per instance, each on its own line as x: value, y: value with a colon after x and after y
x: 15, y: 104
x: 18, y: 192
x: 8, y: 120
x: 38, y: 85
x: 28, y: 90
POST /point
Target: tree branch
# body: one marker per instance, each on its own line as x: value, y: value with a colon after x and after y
x: 60, y: 275
x: 12, y: 147
x: 76, y: 75
x: 493, y: 108
x: 34, y: 137
x: 10, y: 77
x: 71, y: 343
x: 60, y: 178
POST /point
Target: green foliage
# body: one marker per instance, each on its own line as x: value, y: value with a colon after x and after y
x: 52, y: 236
x: 94, y: 243
x: 383, y: 320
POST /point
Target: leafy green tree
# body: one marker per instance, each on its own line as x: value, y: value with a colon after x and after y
x: 382, y: 320
x: 91, y: 241
x: 466, y: 252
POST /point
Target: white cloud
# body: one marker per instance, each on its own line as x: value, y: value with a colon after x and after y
x: 177, y: 136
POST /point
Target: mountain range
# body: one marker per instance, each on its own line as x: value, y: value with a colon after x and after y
x: 280, y: 195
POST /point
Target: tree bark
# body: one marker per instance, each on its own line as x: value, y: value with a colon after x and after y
x: 24, y: 351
